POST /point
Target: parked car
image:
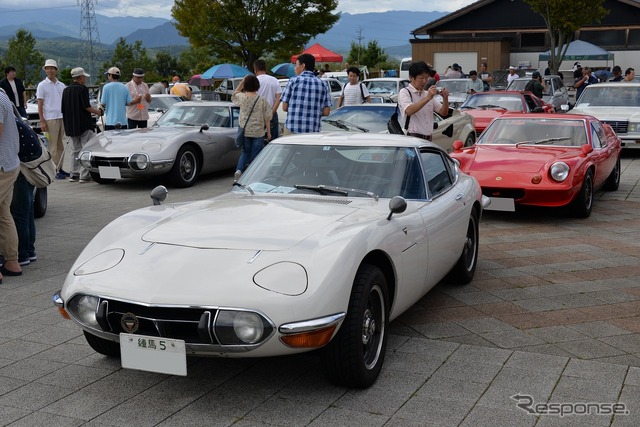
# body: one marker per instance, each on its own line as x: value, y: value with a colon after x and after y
x: 544, y: 160
x: 159, y: 104
x: 389, y: 87
x: 226, y: 88
x: 555, y: 92
x: 618, y: 105
x: 190, y: 139
x: 341, y: 76
x: 346, y: 233
x: 373, y: 118
x: 486, y: 106
x: 500, y: 77
x: 457, y: 89
x: 335, y: 86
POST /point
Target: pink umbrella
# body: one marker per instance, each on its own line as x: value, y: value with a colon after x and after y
x: 196, y: 80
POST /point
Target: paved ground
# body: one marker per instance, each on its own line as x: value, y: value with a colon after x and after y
x: 553, y: 313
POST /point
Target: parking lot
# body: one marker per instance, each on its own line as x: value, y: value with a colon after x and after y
x: 553, y: 315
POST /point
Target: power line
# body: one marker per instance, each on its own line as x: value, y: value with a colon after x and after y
x: 89, y: 36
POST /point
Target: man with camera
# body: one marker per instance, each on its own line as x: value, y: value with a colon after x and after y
x: 417, y: 104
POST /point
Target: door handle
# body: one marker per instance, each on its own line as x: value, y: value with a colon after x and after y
x: 459, y: 197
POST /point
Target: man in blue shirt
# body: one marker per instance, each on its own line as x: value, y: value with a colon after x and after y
x: 115, y: 97
x: 305, y: 99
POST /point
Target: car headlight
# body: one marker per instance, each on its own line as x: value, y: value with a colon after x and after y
x: 85, y: 159
x: 287, y: 278
x: 83, y: 308
x: 139, y: 161
x: 559, y: 171
x: 633, y: 127
x: 241, y: 327
x: 101, y: 262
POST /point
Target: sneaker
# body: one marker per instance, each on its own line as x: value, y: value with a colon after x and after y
x: 24, y: 261
x: 74, y: 179
x: 84, y: 181
x: 66, y: 174
x: 32, y: 258
x: 60, y: 175
x: 237, y: 175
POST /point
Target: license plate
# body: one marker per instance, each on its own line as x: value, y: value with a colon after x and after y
x: 501, y: 204
x: 109, y: 172
x: 153, y: 354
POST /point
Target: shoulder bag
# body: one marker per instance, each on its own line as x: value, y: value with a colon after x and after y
x: 393, y: 125
x: 35, y: 161
x: 240, y: 134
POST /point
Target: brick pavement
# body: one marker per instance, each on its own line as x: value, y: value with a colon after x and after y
x: 554, y: 312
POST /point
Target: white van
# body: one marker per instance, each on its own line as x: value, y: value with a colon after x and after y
x: 404, y: 68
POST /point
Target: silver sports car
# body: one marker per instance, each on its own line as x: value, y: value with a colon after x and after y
x: 190, y: 139
x: 322, y: 241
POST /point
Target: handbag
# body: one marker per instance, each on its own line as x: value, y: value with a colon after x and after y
x: 240, y: 135
x: 393, y: 125
x: 40, y: 172
x: 30, y: 148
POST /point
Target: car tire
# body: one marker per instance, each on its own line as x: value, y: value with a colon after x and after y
x: 40, y: 200
x: 102, y: 346
x: 583, y: 203
x: 464, y: 270
x: 96, y: 177
x: 354, y: 357
x: 186, y: 168
x: 613, y: 180
x: 470, y: 140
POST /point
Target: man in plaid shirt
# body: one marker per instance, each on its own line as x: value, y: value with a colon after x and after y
x: 305, y: 99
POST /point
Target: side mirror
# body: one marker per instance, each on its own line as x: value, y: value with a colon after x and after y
x: 204, y: 127
x: 586, y: 149
x: 457, y: 145
x: 565, y: 107
x: 396, y: 205
x: 159, y: 194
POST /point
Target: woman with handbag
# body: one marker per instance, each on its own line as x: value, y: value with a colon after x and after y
x: 253, y: 123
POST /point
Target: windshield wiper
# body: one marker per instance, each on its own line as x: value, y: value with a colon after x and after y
x: 543, y: 141
x: 244, y: 187
x: 352, y: 125
x: 491, y: 106
x: 468, y: 106
x: 185, y: 123
x: 324, y: 189
x: 337, y: 123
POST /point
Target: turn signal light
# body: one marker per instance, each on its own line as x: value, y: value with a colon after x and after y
x: 64, y: 313
x: 311, y: 339
x: 536, y: 179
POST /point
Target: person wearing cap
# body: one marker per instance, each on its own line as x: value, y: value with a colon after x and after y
x: 453, y: 72
x: 629, y: 75
x: 536, y: 84
x: 14, y: 88
x: 116, y: 98
x: 617, y: 74
x: 49, y: 95
x: 78, y: 123
x: 180, y: 89
x: 512, y: 74
x: 138, y: 111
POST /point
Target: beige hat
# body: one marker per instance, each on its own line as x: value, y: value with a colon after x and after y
x: 113, y: 70
x: 512, y: 67
x: 50, y: 63
x: 77, y: 72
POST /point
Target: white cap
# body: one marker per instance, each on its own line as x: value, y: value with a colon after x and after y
x: 113, y: 70
x: 50, y: 63
x: 512, y: 67
x: 77, y: 72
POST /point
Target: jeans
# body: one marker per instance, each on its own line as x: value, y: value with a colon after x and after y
x: 22, y: 211
x: 274, y: 127
x: 250, y: 149
x: 113, y: 127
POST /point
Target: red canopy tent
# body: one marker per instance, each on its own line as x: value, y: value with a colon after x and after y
x: 321, y: 53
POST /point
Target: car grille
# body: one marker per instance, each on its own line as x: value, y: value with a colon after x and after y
x: 120, y: 162
x: 515, y: 194
x: 618, y: 126
x: 189, y: 324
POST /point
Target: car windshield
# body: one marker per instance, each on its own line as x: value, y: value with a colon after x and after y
x: 535, y: 131
x: 520, y: 84
x: 618, y: 95
x: 162, y: 102
x: 453, y: 86
x: 358, y: 119
x: 375, y: 86
x: 197, y: 115
x: 355, y: 171
x: 508, y: 102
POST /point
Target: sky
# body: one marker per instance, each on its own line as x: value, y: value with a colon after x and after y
x: 162, y: 8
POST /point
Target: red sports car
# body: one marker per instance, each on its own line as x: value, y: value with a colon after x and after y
x: 486, y: 106
x: 543, y: 160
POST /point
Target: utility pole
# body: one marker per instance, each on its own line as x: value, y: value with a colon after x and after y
x: 359, y: 37
x: 90, y: 38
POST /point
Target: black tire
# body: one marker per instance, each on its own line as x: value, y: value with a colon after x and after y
x: 40, y: 200
x: 354, y: 357
x: 464, y: 270
x: 102, y: 346
x: 583, y: 203
x: 186, y: 168
x: 613, y: 180
x: 96, y: 177
x: 470, y: 140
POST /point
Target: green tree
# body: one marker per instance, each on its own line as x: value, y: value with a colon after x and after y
x: 127, y: 57
x: 195, y: 60
x: 22, y: 54
x: 371, y: 55
x: 242, y: 31
x: 165, y: 65
x: 563, y: 18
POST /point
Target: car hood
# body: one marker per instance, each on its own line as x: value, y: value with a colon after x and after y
x: 631, y: 114
x: 482, y: 117
x: 500, y: 158
x: 249, y: 223
x: 147, y: 139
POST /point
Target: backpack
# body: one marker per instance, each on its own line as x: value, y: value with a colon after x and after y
x: 529, y: 86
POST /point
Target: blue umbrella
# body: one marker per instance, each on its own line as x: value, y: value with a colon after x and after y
x: 284, y: 69
x: 225, y: 71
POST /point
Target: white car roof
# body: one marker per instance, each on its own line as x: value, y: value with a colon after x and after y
x: 363, y: 139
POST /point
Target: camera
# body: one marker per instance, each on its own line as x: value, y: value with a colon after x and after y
x: 439, y: 90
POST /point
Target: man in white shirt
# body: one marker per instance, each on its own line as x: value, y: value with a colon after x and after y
x: 512, y: 74
x: 354, y: 92
x: 270, y: 90
x: 49, y: 95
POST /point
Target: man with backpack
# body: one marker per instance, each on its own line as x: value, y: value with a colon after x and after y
x: 535, y: 85
x: 354, y: 92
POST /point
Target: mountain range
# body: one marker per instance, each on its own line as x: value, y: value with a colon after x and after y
x: 390, y: 29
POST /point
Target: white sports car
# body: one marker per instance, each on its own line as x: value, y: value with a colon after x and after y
x: 322, y: 241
